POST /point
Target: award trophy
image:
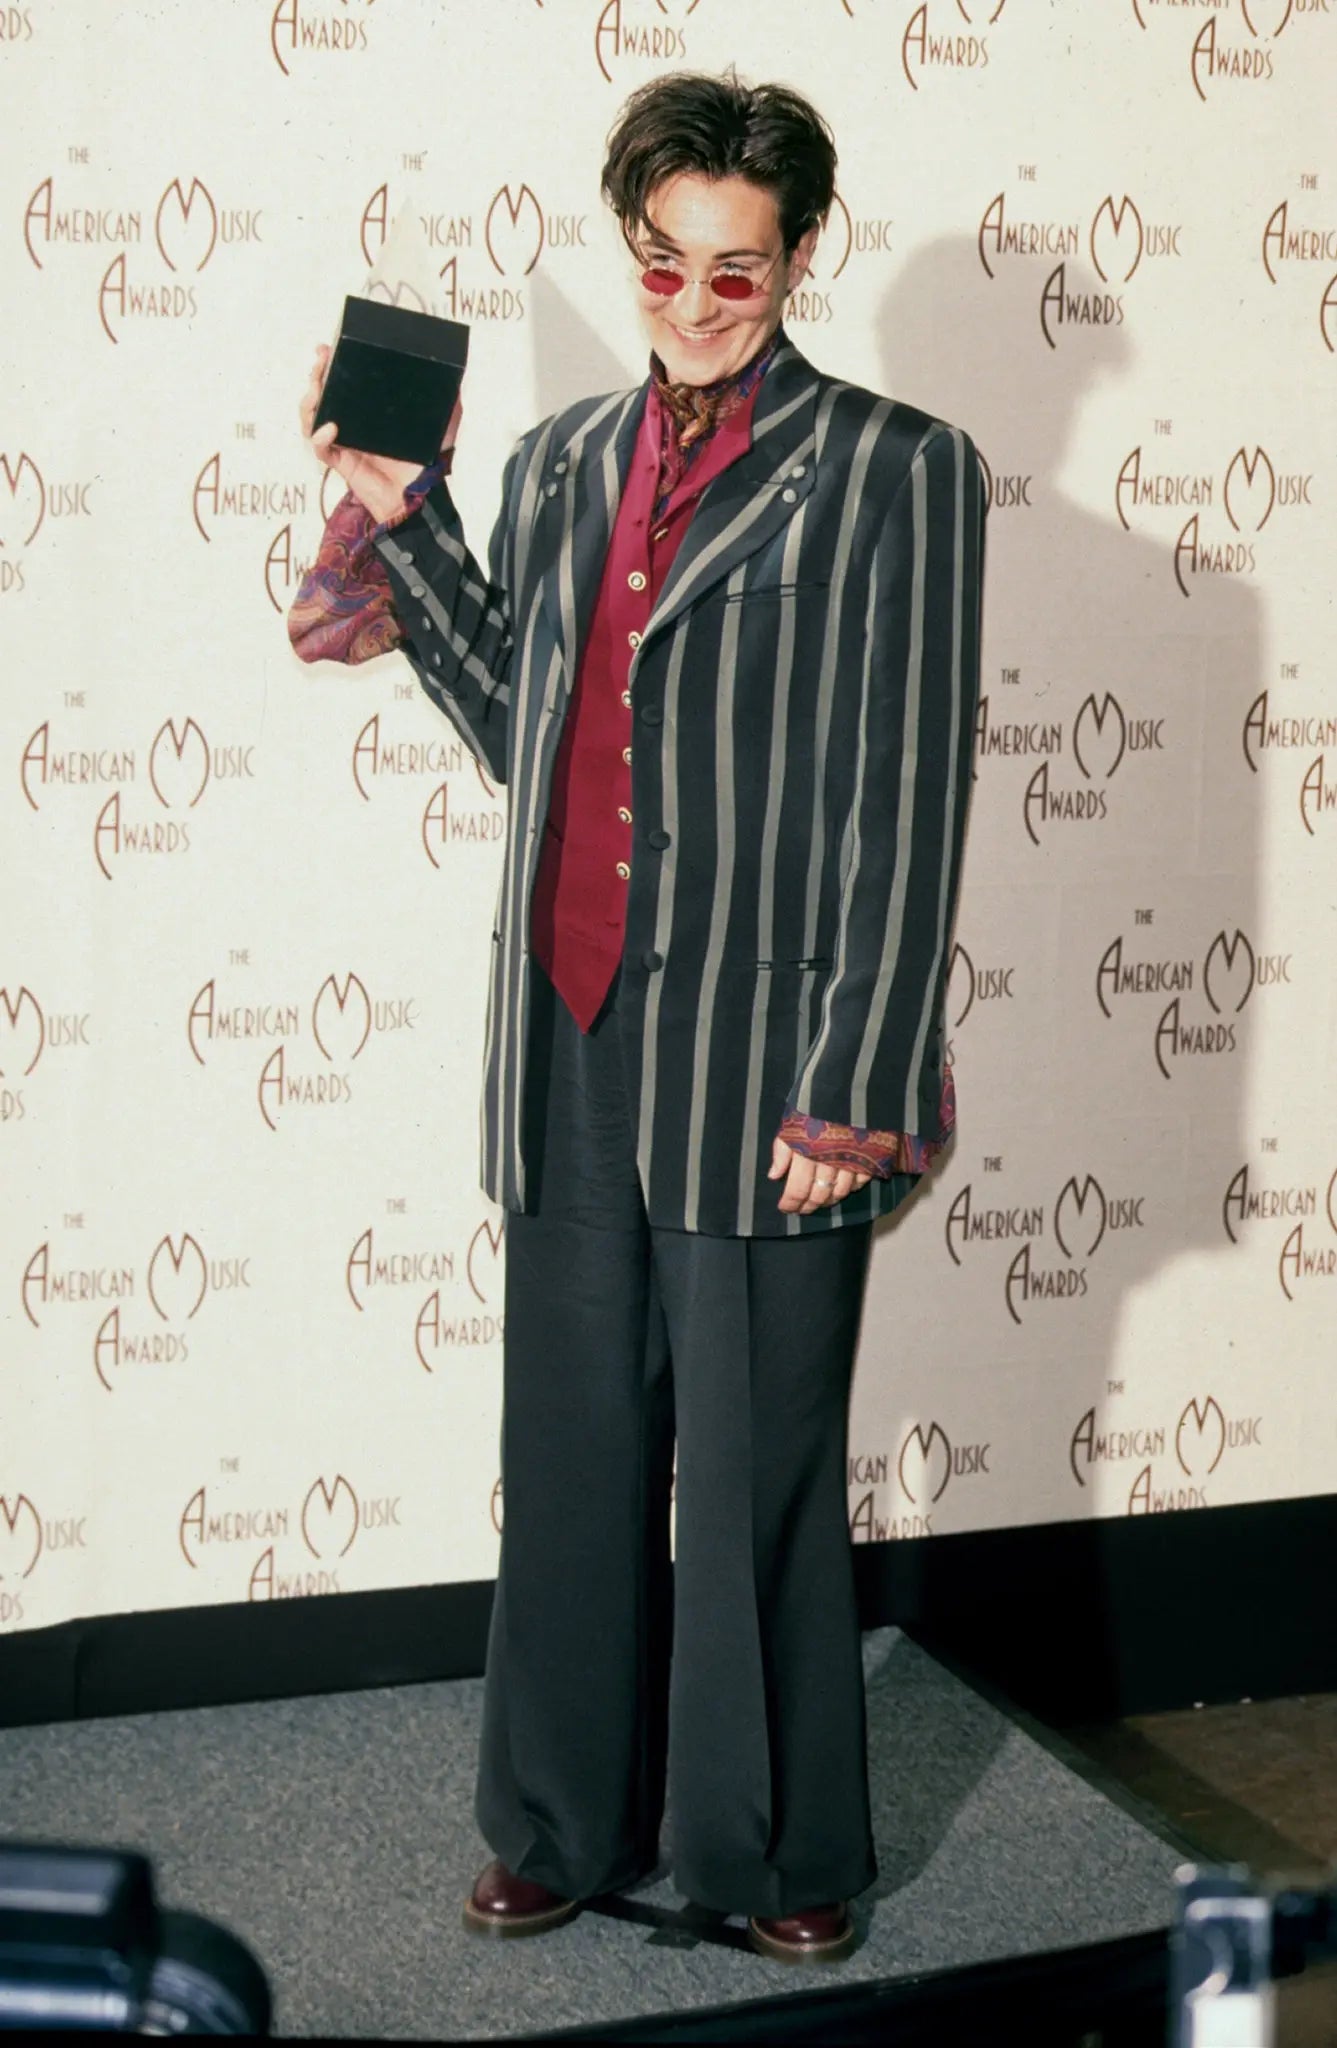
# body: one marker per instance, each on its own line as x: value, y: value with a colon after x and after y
x: 397, y: 363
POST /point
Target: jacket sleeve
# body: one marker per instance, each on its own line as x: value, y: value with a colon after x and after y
x: 456, y: 618
x: 876, y: 1056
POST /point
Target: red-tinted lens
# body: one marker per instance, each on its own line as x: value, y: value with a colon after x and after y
x: 723, y: 283
x: 726, y: 286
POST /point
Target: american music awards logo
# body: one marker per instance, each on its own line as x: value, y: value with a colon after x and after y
x: 1218, y: 514
x: 1115, y: 235
x: 161, y: 249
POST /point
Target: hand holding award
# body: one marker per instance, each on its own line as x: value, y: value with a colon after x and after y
x: 385, y: 400
x: 377, y: 480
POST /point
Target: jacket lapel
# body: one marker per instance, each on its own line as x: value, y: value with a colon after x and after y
x: 581, y: 486
x: 742, y: 508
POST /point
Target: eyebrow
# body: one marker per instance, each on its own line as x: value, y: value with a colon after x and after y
x: 721, y: 255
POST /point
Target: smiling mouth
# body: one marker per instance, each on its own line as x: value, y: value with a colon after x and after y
x: 711, y: 334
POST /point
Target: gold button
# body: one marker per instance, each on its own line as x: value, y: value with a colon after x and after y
x: 624, y: 870
x: 626, y: 694
x: 636, y: 580
x: 624, y: 814
x: 633, y: 639
x: 626, y: 753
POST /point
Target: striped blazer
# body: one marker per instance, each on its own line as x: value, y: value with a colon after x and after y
x: 803, y: 701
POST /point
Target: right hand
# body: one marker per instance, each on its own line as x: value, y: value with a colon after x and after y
x: 377, y: 480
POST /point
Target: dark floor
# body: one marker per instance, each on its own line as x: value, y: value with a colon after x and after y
x: 1253, y: 1783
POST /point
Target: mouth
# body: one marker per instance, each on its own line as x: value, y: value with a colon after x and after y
x: 697, y: 340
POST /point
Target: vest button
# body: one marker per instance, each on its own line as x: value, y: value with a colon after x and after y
x: 633, y: 639
x: 790, y: 497
x: 659, y: 839
x: 626, y: 754
x: 624, y: 814
x: 626, y: 696
x: 652, y: 714
x: 624, y: 871
x: 654, y: 961
x: 636, y: 580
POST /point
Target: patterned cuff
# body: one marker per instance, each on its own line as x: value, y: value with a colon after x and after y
x: 344, y: 607
x: 866, y: 1150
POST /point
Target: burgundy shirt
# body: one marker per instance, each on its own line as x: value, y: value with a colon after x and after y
x: 579, y: 909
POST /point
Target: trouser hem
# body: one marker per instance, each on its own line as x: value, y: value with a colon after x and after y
x: 538, y: 1865
x: 773, y: 1894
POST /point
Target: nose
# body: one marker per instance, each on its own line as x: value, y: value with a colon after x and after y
x: 679, y: 303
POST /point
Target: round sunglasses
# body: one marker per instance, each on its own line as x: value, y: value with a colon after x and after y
x: 666, y: 282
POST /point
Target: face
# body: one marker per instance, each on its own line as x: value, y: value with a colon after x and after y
x: 704, y: 225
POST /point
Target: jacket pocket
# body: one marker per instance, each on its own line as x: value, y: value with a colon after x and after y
x: 796, y: 589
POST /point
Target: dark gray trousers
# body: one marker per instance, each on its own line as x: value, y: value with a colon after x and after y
x: 732, y: 1675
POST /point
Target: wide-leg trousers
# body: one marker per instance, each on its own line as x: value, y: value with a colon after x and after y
x: 730, y: 1678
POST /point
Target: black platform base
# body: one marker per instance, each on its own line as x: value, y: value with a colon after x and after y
x: 1072, y: 1620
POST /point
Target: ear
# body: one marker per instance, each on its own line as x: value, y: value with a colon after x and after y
x: 802, y: 257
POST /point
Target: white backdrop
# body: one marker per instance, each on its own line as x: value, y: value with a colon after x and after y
x: 252, y: 1290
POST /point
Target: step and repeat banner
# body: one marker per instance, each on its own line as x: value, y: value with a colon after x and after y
x: 252, y: 1291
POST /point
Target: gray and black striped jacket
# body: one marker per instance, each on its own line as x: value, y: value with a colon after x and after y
x: 802, y: 700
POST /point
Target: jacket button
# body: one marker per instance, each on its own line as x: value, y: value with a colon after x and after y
x: 654, y: 961
x: 659, y: 839
x: 790, y: 497
x: 559, y: 468
x: 652, y: 714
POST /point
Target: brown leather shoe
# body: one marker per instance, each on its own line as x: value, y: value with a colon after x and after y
x: 501, y: 1903
x: 824, y: 1934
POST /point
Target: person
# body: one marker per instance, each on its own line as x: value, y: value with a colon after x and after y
x: 725, y: 658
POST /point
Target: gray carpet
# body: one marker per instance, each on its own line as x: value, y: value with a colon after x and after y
x: 335, y: 1835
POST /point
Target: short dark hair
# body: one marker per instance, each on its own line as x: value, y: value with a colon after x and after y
x: 690, y: 121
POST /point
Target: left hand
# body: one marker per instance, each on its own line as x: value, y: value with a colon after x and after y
x: 810, y: 1184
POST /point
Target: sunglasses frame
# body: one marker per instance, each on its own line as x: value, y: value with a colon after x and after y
x: 753, y: 291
